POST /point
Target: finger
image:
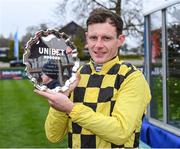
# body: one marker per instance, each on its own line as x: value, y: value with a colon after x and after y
x: 50, y: 91
x: 76, y: 82
x: 45, y: 94
x: 78, y: 76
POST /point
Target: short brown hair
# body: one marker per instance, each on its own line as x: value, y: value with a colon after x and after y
x: 101, y: 15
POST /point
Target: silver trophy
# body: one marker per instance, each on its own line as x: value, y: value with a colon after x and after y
x: 51, y: 61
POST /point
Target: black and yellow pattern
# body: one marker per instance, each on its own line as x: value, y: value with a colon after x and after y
x: 98, y: 90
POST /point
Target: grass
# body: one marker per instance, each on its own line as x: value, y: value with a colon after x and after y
x: 173, y: 92
x: 22, y: 116
x: 23, y: 113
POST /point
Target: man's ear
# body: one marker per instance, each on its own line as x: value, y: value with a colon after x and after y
x: 121, y: 39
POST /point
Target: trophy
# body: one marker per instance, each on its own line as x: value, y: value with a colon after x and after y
x: 52, y: 54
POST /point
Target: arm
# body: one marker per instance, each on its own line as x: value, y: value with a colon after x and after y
x: 132, y: 100
x: 56, y: 125
x: 57, y: 120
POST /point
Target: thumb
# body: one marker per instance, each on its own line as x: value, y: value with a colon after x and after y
x: 75, y: 83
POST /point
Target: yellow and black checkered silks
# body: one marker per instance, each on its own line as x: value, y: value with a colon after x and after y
x: 96, y: 91
x: 97, y: 101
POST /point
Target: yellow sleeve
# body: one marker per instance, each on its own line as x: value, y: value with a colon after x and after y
x: 56, y: 125
x: 132, y: 100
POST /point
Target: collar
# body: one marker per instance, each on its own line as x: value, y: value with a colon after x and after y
x: 97, y: 67
x: 104, y: 68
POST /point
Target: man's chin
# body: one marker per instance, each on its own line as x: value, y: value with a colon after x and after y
x: 99, y: 60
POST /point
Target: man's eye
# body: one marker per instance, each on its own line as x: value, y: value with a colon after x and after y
x: 106, y: 38
x: 93, y: 38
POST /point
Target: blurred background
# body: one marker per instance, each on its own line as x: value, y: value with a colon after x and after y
x: 22, y: 112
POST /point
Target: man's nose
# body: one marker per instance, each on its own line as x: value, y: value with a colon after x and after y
x: 99, y: 43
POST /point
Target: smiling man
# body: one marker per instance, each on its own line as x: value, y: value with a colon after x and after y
x: 103, y: 40
x: 109, y: 97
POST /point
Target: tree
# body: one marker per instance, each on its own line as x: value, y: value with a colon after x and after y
x: 30, y: 32
x: 11, y: 49
x: 129, y: 10
x: 4, y: 42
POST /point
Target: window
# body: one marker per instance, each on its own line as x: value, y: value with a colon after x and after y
x: 173, y: 66
x: 156, y: 63
x: 162, y: 57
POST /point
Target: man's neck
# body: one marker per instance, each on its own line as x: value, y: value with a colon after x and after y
x: 97, y: 67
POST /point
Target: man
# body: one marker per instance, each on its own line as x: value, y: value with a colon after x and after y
x: 105, y: 110
x: 50, y: 74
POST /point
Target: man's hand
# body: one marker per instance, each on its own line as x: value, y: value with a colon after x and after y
x: 59, y: 101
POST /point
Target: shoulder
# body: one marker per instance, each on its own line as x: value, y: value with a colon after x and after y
x: 127, y: 69
x: 85, y: 69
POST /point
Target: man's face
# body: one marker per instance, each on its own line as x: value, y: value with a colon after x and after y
x: 103, y: 42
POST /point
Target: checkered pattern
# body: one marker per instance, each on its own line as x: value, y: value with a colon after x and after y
x: 96, y: 91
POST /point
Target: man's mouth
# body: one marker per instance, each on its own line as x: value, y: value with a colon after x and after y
x: 99, y: 54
